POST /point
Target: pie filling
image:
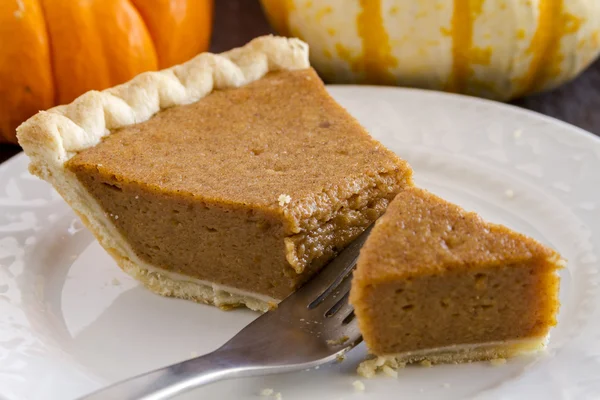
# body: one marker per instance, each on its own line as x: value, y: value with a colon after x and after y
x: 226, y: 245
x: 480, y: 305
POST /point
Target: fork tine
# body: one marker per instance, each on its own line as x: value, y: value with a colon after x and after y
x: 349, y: 332
x: 336, y: 297
x: 343, y: 311
x: 337, y: 307
x: 348, y: 318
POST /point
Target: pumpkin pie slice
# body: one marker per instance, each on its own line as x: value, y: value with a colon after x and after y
x: 437, y: 284
x: 229, y: 179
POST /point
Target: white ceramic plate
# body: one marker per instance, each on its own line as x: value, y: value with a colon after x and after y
x: 71, y: 321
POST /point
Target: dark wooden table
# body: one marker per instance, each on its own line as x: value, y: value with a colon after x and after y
x: 577, y: 102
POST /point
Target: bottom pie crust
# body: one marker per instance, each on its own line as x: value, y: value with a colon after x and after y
x: 172, y: 284
x: 452, y: 355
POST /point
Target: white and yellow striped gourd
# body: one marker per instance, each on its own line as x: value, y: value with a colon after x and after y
x: 499, y: 49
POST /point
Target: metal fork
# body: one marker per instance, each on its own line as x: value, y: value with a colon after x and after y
x: 313, y: 326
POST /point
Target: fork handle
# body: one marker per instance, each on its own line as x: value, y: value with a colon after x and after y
x: 169, y: 381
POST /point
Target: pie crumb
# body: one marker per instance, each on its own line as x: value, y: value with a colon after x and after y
x: 115, y: 282
x: 278, y: 396
x: 389, y: 371
x: 359, y: 386
x: 284, y: 199
x: 339, y: 358
x: 370, y: 367
x: 194, y: 354
x: 518, y: 133
x: 496, y: 362
x: 338, y: 341
x: 426, y: 363
x: 266, y: 392
x: 366, y: 369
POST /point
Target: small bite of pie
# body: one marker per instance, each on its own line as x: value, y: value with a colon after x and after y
x: 437, y: 284
x: 230, y: 179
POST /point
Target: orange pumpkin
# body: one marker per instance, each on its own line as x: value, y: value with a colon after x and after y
x: 54, y: 50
